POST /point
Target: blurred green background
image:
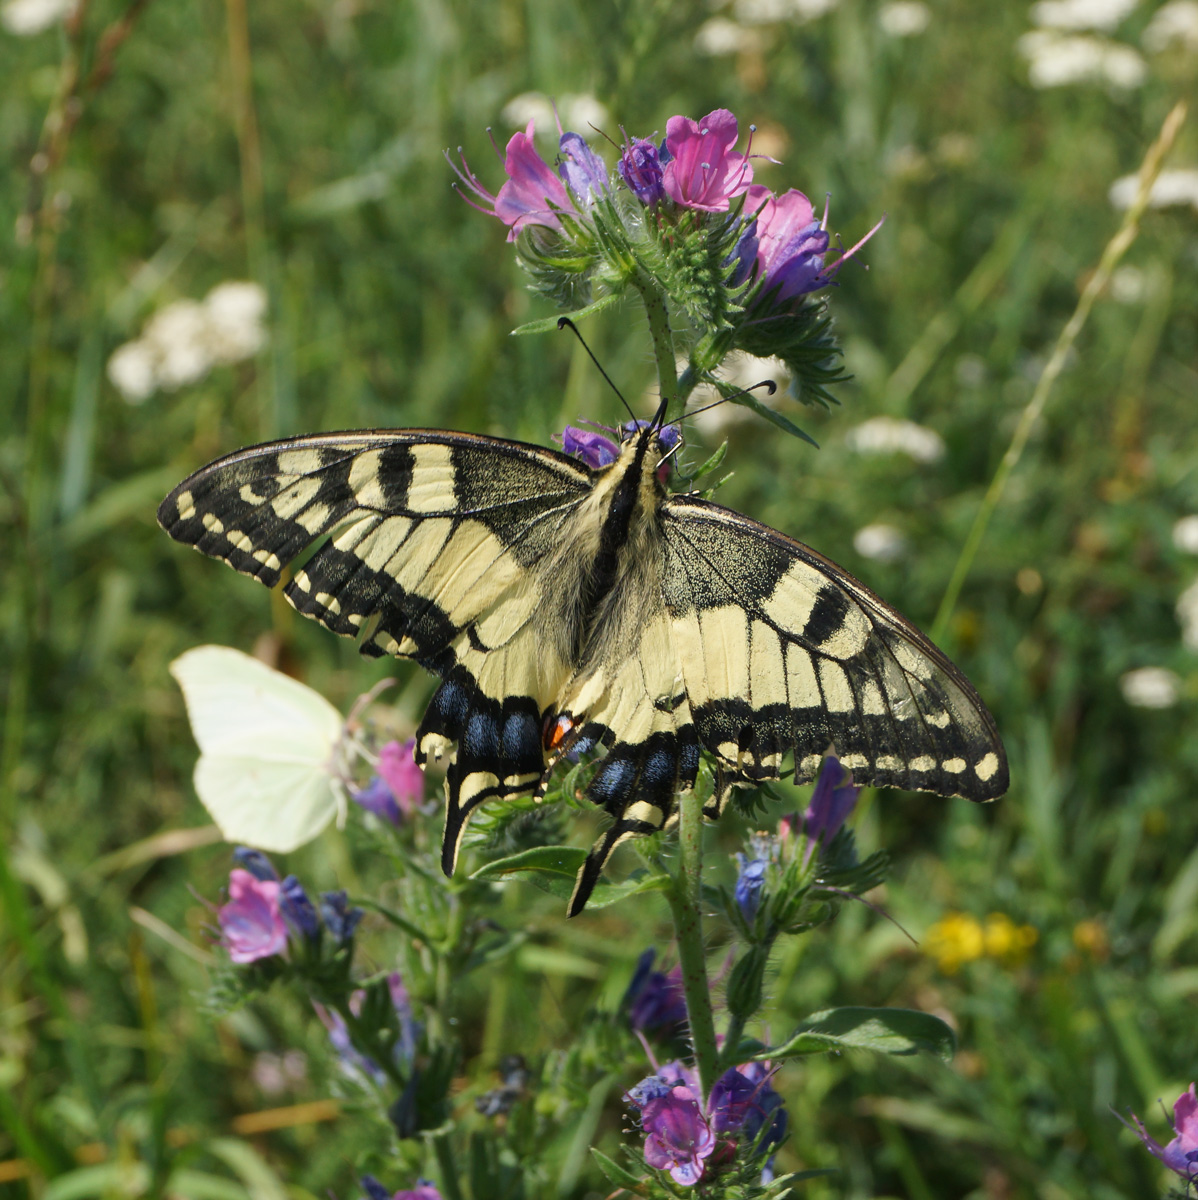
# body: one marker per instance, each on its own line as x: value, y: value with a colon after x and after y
x: 154, y: 152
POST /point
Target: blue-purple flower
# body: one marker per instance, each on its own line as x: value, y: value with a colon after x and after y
x: 589, y: 446
x: 750, y: 882
x: 251, y: 925
x: 297, y: 909
x: 1181, y: 1154
x: 254, y: 861
x: 833, y: 799
x: 792, y: 246
x: 409, y: 1027
x: 654, y: 1000
x: 582, y: 169
x: 641, y: 167
x: 339, y: 918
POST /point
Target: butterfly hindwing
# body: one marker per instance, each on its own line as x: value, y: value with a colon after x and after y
x: 784, y: 651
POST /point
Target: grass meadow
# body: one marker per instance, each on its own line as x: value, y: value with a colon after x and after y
x: 156, y: 150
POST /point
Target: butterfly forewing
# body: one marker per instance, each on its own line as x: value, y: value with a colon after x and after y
x: 783, y: 650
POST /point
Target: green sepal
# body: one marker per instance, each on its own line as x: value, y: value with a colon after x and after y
x: 884, y: 1030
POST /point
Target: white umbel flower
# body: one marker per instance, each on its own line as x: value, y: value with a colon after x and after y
x: 182, y: 342
x: 234, y: 312
x: 1187, y: 614
x: 1081, y: 14
x: 1056, y: 61
x: 887, y: 435
x: 882, y: 542
x: 1177, y: 22
x: 1151, y: 687
x: 579, y: 111
x: 1172, y: 188
x: 904, y: 18
x: 24, y: 18
x: 1185, y: 535
x: 131, y: 370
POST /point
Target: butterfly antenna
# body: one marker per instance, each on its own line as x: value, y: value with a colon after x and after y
x: 564, y: 323
x: 765, y: 383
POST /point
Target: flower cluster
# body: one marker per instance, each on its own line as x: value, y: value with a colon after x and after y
x: 691, y: 1139
x: 1181, y: 1154
x: 684, y: 220
x: 265, y: 915
x: 958, y: 938
x: 781, y: 884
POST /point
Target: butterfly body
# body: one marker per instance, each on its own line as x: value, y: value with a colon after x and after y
x: 567, y: 608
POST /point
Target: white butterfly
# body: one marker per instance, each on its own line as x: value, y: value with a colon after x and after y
x: 269, y: 771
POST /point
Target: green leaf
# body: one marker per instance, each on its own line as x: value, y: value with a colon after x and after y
x: 886, y: 1030
x: 764, y: 410
x: 712, y: 463
x: 114, y: 1178
x: 553, y: 869
x: 549, y: 324
x: 617, y: 1174
x: 259, y: 1178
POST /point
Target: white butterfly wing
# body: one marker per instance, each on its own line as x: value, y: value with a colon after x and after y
x: 266, y: 747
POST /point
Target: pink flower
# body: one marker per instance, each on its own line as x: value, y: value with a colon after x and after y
x: 401, y: 773
x: 533, y: 194
x: 251, y: 925
x: 1181, y: 1154
x: 705, y: 172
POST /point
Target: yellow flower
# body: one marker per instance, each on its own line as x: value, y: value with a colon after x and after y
x: 1006, y: 941
x: 1091, y: 939
x: 955, y: 939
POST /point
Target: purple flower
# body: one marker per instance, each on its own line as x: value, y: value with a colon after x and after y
x: 668, y: 435
x: 533, y: 194
x: 655, y: 999
x: 750, y: 881
x: 641, y: 166
x: 352, y: 1061
x: 705, y: 172
x: 254, y: 861
x: 422, y: 1191
x: 339, y: 919
x: 250, y: 924
x: 409, y: 1027
x: 792, y: 245
x: 590, y: 447
x: 1181, y: 1154
x: 297, y: 909
x: 398, y: 788
x: 833, y: 799
x: 678, y: 1137
x: 743, y: 258
x: 582, y: 169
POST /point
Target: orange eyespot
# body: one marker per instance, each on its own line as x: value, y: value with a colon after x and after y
x: 557, y: 729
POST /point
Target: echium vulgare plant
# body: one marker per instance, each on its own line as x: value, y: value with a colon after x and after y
x: 719, y: 264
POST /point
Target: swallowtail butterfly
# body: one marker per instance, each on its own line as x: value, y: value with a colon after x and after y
x: 569, y: 609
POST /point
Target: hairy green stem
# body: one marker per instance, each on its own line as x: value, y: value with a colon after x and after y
x: 686, y: 895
